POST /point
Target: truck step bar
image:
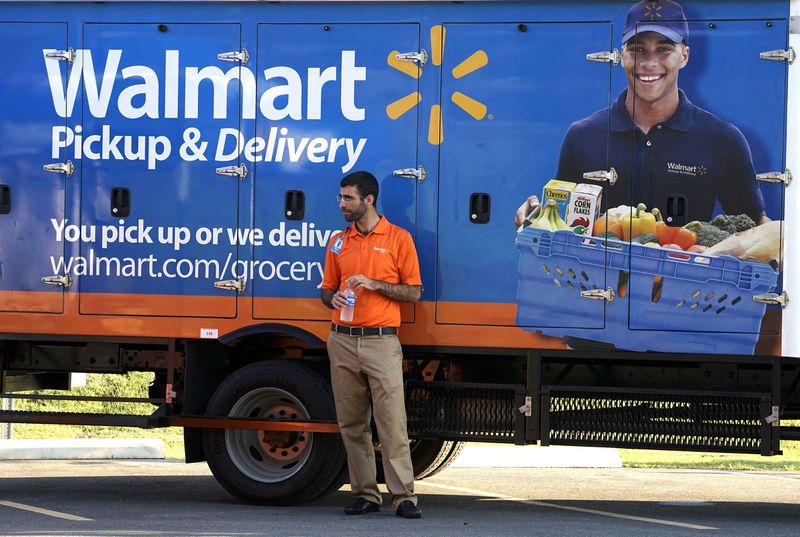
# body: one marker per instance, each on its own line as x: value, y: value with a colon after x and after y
x: 75, y: 418
x: 658, y: 419
x: 159, y: 420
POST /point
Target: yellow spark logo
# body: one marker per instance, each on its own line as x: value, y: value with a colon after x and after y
x: 652, y: 10
x: 474, y: 108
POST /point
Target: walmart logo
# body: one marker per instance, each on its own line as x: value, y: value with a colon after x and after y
x: 474, y: 108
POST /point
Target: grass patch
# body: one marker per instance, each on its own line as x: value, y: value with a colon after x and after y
x: 789, y: 461
x: 129, y: 385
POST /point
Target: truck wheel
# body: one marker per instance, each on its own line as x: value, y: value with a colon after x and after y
x: 429, y: 456
x: 271, y: 467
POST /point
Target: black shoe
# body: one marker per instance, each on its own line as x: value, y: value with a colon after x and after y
x: 361, y: 506
x: 407, y: 509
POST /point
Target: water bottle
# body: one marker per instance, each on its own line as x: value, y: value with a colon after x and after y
x: 346, y: 315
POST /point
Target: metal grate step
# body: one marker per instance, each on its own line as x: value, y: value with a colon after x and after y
x: 629, y: 418
x: 465, y: 411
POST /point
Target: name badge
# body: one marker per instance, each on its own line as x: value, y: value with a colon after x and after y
x: 337, y: 245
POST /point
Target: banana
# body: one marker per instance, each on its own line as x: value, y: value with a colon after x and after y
x: 549, y: 219
x: 558, y: 222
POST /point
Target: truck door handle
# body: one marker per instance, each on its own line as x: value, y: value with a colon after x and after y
x: 5, y: 199
x: 480, y: 207
x: 676, y: 210
x: 120, y: 202
x: 295, y: 207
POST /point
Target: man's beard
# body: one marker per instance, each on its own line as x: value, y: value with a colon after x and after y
x: 355, y: 215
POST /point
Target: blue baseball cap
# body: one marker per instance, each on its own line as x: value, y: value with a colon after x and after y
x: 664, y: 17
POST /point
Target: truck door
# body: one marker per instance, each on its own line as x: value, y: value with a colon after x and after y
x: 325, y: 111
x: 726, y: 76
x: 31, y: 199
x: 508, y: 94
x: 155, y: 98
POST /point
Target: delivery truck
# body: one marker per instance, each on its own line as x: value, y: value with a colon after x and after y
x: 168, y: 173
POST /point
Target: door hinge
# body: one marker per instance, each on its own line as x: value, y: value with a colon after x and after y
x: 527, y: 407
x: 233, y: 171
x: 242, y: 56
x: 773, y: 298
x: 602, y: 175
x: 232, y: 285
x: 779, y: 55
x: 599, y: 294
x: 776, y: 177
x: 613, y: 57
x: 65, y: 281
x: 411, y: 173
x: 774, y: 418
x: 420, y: 57
x: 63, y: 55
x: 62, y: 167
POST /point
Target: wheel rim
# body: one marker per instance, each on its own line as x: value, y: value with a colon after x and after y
x: 269, y: 456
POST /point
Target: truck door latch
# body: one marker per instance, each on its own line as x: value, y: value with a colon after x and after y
x: 773, y: 298
x: 599, y: 294
x: 232, y: 285
x: 776, y: 177
x: 774, y: 418
x: 411, y: 173
x: 233, y: 171
x: 65, y: 281
x: 527, y: 407
x: 420, y: 57
x: 779, y: 55
x: 242, y: 56
x: 612, y: 57
x: 63, y: 55
x: 62, y: 167
x: 602, y: 175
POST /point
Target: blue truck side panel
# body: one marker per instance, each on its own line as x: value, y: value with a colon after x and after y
x: 147, y: 106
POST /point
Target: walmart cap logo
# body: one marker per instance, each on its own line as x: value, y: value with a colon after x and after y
x: 474, y: 108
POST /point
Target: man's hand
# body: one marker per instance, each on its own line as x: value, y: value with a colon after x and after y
x: 524, y: 210
x: 359, y: 281
x: 395, y: 291
x: 334, y: 300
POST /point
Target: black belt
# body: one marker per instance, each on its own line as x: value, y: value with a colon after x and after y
x: 364, y: 330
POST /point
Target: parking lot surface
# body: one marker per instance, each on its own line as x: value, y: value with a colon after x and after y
x: 168, y: 498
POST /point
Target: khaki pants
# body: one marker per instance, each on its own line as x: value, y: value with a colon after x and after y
x: 361, y: 366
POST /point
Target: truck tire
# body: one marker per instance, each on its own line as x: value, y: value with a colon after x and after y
x: 274, y: 468
x: 439, y: 453
x: 429, y: 456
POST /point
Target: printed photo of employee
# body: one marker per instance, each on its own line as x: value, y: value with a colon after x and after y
x: 660, y: 144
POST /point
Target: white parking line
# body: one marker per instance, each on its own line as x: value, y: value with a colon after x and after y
x: 48, y: 512
x: 475, y: 492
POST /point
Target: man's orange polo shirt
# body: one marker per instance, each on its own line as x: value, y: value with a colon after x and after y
x: 386, y: 254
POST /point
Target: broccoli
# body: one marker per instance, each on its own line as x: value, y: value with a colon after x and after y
x: 733, y: 223
x: 609, y: 235
x: 644, y: 238
x: 707, y: 234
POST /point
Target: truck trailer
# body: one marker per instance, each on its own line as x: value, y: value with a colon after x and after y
x: 168, y: 173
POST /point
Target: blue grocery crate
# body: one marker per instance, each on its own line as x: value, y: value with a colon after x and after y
x: 666, y: 300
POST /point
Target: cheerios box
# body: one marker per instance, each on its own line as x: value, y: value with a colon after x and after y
x: 559, y: 191
x: 584, y: 208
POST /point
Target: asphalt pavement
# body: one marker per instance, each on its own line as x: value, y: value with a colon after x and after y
x: 169, y: 498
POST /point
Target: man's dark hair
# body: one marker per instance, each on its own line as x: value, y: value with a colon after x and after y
x: 365, y: 182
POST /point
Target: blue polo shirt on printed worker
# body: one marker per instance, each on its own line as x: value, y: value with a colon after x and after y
x: 692, y: 154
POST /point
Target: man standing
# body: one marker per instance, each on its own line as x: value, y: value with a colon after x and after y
x: 378, y: 261
x: 662, y: 146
